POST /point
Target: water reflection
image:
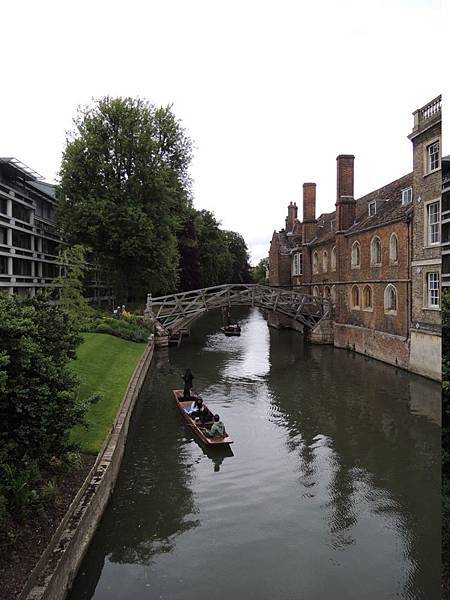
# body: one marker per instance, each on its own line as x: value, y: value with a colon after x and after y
x: 332, y: 483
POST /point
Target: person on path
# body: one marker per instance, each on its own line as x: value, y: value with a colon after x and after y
x: 217, y: 429
x: 187, y: 378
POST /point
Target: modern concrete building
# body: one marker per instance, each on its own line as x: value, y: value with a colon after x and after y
x: 29, y: 240
x: 377, y: 257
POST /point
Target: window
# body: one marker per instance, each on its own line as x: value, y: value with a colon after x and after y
x: 390, y: 299
x: 333, y: 294
x: 372, y: 208
x: 407, y: 196
x: 355, y: 297
x: 333, y: 224
x: 356, y: 255
x: 434, y: 222
x: 375, y: 251
x: 326, y: 292
x: 3, y: 206
x: 433, y: 290
x: 21, y: 267
x: 20, y: 212
x: 325, y: 261
x: 3, y: 236
x: 393, y: 249
x: 297, y: 264
x: 367, y: 297
x: 433, y: 157
x: 315, y: 261
x: 333, y: 259
x: 3, y: 265
x: 316, y: 292
x: 21, y: 240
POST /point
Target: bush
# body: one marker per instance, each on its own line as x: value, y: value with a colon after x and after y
x: 129, y: 327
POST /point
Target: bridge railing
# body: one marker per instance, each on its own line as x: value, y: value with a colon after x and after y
x: 174, y: 311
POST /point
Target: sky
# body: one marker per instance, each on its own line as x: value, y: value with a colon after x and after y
x: 269, y: 91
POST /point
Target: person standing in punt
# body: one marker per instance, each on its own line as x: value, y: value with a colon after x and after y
x: 187, y: 378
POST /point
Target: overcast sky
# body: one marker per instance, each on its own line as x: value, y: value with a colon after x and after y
x: 270, y: 91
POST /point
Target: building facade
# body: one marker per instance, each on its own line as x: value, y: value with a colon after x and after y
x: 361, y: 257
x: 29, y: 240
x: 446, y: 223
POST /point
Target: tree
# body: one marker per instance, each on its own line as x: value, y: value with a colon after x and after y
x: 69, y: 286
x: 124, y: 184
x: 259, y: 272
x: 188, y: 246
x: 38, y: 400
x: 214, y: 254
x: 240, y: 268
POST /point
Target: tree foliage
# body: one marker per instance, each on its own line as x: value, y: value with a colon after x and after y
x: 69, y: 286
x: 38, y: 399
x: 240, y: 266
x: 124, y: 184
x: 259, y: 273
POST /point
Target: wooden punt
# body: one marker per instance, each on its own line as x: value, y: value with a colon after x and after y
x: 231, y: 330
x: 210, y: 442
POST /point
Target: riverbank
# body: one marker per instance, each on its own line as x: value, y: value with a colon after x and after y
x: 105, y: 365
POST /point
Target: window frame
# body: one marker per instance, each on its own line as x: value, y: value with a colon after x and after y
x: 428, y: 225
x: 333, y: 258
x: 387, y: 309
x: 437, y: 289
x: 353, y: 264
x: 367, y: 307
x: 373, y: 261
x: 315, y: 262
x: 372, y: 204
x: 297, y: 264
x: 404, y: 192
x: 428, y: 156
x: 325, y: 261
x: 392, y: 260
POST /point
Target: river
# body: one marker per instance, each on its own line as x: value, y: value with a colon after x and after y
x: 331, y: 489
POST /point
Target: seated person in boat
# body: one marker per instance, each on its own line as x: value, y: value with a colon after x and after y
x: 202, y: 412
x: 196, y: 405
x: 217, y: 429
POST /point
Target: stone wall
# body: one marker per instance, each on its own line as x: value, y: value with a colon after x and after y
x: 426, y: 354
x: 392, y: 349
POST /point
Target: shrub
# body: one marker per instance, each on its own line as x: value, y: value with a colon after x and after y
x: 129, y: 327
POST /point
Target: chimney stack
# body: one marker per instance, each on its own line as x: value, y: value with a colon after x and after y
x: 292, y: 216
x: 345, y: 202
x: 309, y: 202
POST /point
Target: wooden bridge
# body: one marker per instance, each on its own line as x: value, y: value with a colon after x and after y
x: 173, y: 313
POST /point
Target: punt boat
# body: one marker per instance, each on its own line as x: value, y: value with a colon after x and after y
x: 231, y: 330
x: 185, y: 404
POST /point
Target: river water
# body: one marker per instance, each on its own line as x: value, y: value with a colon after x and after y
x: 331, y: 490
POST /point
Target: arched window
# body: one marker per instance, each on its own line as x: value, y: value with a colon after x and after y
x: 325, y: 261
x: 356, y: 255
x: 333, y: 294
x: 326, y: 292
x: 333, y: 259
x: 316, y: 291
x: 367, y: 297
x: 393, y: 249
x: 375, y: 251
x: 390, y: 299
x: 355, y: 297
x: 315, y: 262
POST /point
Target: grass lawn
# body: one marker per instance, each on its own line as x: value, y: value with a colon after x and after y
x: 104, y: 364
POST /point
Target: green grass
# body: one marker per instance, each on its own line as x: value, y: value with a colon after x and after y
x: 104, y: 364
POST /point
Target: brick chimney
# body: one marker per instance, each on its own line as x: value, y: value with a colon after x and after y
x: 292, y: 216
x: 309, y: 202
x: 345, y: 202
x: 309, y: 223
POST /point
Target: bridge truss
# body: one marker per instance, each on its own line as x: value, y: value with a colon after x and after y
x: 170, y: 314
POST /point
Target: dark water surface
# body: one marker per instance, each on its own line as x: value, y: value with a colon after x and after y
x: 331, y: 490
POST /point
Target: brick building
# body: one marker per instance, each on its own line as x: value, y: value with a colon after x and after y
x: 446, y: 222
x: 360, y: 256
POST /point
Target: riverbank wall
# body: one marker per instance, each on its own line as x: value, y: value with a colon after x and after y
x: 55, y: 572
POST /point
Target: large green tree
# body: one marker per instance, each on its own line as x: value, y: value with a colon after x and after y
x: 214, y: 254
x: 240, y: 266
x: 124, y: 184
